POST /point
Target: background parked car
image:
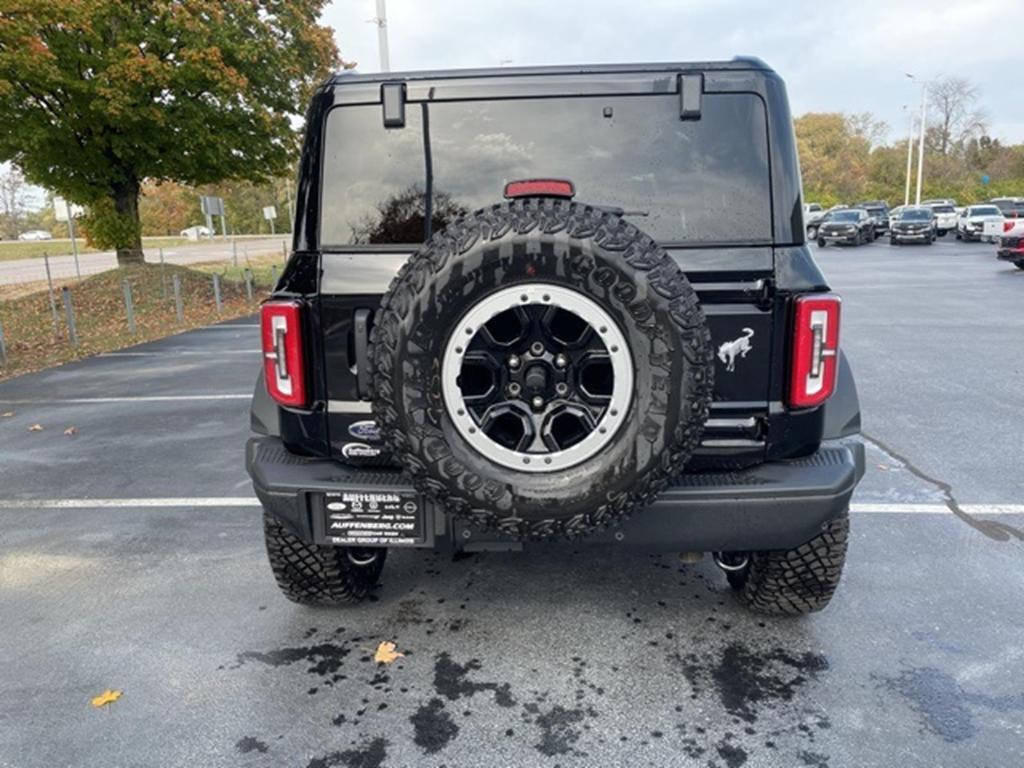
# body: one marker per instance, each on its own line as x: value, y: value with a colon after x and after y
x: 913, y: 224
x: 813, y: 213
x: 945, y: 217
x: 879, y: 211
x: 853, y: 226
x: 1011, y: 207
x: 1011, y: 244
x: 35, y: 234
x: 971, y: 225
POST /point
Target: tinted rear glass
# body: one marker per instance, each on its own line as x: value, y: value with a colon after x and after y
x: 916, y: 216
x: 703, y: 180
x: 943, y: 209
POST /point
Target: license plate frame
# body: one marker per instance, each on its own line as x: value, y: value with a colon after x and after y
x: 394, y: 517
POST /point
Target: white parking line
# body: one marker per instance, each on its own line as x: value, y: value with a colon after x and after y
x: 169, y: 353
x: 130, y: 399
x: 184, y: 501
x: 225, y: 327
x: 937, y: 509
x: 252, y: 501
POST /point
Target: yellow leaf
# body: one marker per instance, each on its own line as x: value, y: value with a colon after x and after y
x: 36, y: 428
x: 6, y: 414
x: 71, y: 431
x: 107, y: 697
x: 386, y: 653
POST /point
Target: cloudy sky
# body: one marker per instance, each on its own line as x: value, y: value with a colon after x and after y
x: 848, y: 56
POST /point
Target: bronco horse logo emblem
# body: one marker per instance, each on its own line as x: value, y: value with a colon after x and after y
x: 730, y: 350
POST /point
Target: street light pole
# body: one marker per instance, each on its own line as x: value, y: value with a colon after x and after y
x: 910, y: 155
x: 920, y: 147
x: 382, y: 36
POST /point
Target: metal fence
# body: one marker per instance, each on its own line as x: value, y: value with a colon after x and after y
x: 60, y: 264
x: 235, y: 275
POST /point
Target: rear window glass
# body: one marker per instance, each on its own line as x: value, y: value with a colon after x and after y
x: 984, y: 210
x: 703, y: 180
x: 943, y: 209
x: 917, y: 215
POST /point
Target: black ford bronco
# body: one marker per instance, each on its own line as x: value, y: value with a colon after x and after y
x: 558, y: 303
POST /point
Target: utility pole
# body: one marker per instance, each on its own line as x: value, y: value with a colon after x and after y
x: 920, y: 147
x: 910, y: 154
x: 382, y: 36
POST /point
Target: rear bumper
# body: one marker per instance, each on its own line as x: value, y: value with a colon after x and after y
x: 1010, y: 254
x: 776, y: 505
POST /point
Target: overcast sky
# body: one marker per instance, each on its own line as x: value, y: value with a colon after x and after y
x: 848, y: 57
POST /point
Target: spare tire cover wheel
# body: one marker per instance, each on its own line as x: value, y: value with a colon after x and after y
x: 541, y: 367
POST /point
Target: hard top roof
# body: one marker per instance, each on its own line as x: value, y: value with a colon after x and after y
x: 737, y: 63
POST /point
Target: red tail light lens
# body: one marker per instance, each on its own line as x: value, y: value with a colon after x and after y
x: 540, y: 188
x: 1007, y: 226
x: 815, y: 350
x: 283, y: 366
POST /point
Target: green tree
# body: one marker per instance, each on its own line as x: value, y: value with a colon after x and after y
x: 98, y: 96
x: 834, y: 155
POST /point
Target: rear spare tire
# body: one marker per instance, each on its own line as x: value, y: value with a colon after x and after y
x: 541, y: 367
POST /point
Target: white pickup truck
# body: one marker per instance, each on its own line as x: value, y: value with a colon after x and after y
x: 945, y: 217
x: 980, y: 222
x: 1011, y: 243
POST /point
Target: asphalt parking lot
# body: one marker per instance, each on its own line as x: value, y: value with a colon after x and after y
x: 157, y: 585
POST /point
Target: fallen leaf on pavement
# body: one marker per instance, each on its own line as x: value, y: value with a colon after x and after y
x: 36, y: 428
x: 107, y: 697
x: 386, y: 653
x: 6, y: 414
x: 71, y: 431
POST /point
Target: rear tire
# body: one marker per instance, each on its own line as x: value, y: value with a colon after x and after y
x: 1019, y: 264
x: 315, y: 575
x: 796, y: 581
x: 821, y: 242
x: 893, y: 240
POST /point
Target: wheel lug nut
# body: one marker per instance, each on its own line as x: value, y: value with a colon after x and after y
x: 514, y: 362
x: 538, y: 402
x: 513, y: 389
x: 537, y: 348
x: 561, y: 360
x: 561, y: 387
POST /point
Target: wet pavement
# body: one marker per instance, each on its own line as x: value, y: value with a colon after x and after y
x: 564, y: 655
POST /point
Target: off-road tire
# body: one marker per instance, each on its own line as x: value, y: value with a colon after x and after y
x: 796, y: 581
x: 313, y: 575
x: 587, y: 249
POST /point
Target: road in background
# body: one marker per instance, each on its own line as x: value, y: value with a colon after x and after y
x: 62, y: 267
x: 562, y: 655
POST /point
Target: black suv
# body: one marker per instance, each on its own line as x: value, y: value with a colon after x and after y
x: 514, y: 313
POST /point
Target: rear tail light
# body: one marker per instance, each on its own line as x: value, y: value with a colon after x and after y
x: 540, y: 188
x: 815, y: 350
x: 283, y: 366
x: 1007, y: 226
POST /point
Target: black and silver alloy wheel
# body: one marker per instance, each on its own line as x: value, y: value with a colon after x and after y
x: 537, y: 377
